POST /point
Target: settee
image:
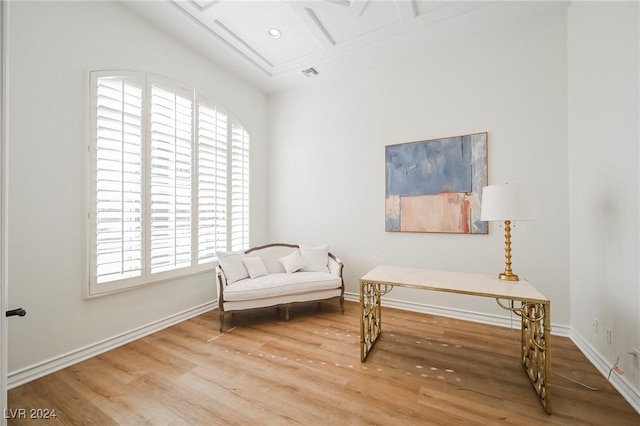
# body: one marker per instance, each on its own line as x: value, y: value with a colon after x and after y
x: 277, y: 275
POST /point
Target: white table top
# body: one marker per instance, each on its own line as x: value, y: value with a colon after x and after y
x: 454, y: 282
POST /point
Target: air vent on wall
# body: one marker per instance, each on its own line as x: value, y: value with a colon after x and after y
x: 310, y: 72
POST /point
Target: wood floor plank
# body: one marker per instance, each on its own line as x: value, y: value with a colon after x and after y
x: 425, y: 370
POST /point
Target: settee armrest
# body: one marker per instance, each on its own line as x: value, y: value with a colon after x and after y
x: 222, y: 283
x: 335, y: 265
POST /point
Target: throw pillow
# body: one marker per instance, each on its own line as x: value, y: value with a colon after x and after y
x: 255, y: 266
x: 293, y: 262
x: 317, y: 258
x: 232, y: 266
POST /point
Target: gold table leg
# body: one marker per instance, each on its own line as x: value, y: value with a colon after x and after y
x: 536, y: 349
x: 370, y: 316
x: 536, y: 345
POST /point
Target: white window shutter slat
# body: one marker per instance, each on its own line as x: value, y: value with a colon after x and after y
x: 239, y: 187
x: 171, y: 154
x: 118, y: 179
x: 212, y: 182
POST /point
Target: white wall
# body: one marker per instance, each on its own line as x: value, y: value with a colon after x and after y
x: 52, y: 47
x: 327, y: 170
x: 604, y: 135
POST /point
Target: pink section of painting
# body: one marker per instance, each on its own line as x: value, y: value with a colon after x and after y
x: 445, y: 212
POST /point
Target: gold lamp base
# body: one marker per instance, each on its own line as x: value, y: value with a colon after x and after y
x: 508, y: 275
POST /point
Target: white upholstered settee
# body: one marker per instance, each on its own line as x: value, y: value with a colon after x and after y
x: 277, y: 275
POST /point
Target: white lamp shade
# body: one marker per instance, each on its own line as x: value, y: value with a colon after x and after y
x: 511, y: 201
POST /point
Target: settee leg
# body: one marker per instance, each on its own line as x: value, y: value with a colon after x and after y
x: 286, y: 312
x: 221, y: 321
x: 342, y: 304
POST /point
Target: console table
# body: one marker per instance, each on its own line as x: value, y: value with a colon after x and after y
x: 520, y: 297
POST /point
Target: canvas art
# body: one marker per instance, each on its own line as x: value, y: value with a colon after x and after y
x: 436, y: 185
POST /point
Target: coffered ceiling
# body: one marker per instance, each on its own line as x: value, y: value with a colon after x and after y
x: 330, y: 36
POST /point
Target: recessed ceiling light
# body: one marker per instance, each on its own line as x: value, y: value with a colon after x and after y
x: 274, y: 33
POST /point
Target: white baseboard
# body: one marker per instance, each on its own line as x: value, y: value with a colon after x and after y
x: 622, y: 385
x: 499, y: 320
x: 20, y: 377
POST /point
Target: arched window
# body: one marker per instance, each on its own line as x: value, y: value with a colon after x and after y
x: 169, y: 181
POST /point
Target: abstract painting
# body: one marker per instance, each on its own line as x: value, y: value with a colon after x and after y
x: 436, y: 185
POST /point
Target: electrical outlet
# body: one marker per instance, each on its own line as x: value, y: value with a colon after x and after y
x: 607, y: 334
x: 594, y: 325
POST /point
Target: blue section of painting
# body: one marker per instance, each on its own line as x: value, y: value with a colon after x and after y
x: 480, y: 179
x: 429, y: 168
x: 392, y: 222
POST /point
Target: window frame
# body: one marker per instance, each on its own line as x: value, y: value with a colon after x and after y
x: 93, y: 288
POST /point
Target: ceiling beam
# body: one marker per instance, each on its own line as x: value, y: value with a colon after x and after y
x: 337, y: 7
x: 203, y: 5
x: 313, y: 25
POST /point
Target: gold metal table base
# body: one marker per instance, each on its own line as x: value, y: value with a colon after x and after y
x: 535, y: 331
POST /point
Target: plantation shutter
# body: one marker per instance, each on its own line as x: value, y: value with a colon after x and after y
x: 239, y: 187
x: 117, y: 170
x: 169, y: 181
x: 170, y: 187
x: 212, y: 182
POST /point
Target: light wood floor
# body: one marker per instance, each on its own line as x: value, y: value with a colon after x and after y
x: 427, y: 370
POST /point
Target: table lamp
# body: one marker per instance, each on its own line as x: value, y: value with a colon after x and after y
x: 508, y: 202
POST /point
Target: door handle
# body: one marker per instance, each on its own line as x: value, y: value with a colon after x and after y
x: 19, y: 312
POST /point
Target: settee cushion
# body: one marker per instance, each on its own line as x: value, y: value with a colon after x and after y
x: 317, y: 258
x: 233, y: 266
x: 274, y: 285
x: 271, y: 257
x: 293, y: 262
x: 255, y: 267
